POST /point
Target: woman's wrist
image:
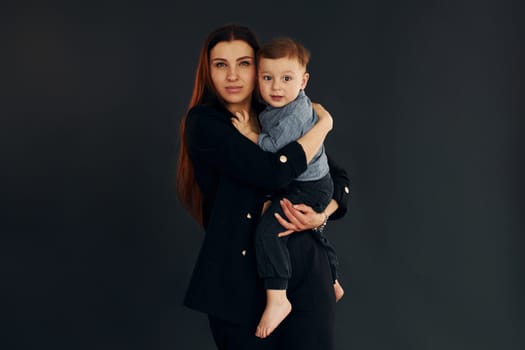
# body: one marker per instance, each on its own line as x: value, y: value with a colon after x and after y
x: 321, y: 227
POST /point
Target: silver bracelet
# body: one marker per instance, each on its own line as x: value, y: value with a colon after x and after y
x: 321, y: 227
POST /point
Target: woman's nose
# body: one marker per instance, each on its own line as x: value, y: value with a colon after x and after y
x: 232, y: 74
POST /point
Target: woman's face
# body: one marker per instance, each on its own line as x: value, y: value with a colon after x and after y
x: 232, y: 70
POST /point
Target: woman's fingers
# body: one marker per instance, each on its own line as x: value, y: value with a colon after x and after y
x: 292, y: 214
x: 284, y: 223
x: 286, y: 233
x: 303, y: 208
x: 287, y: 225
x: 299, y: 212
x: 303, y: 216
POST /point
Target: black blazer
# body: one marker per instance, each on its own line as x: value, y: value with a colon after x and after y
x: 234, y: 174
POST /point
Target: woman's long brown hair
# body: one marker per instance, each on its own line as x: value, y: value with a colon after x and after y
x: 204, y: 92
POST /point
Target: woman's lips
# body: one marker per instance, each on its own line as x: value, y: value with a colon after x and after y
x: 233, y: 89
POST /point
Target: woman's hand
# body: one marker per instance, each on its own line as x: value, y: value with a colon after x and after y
x: 300, y: 217
x: 323, y: 114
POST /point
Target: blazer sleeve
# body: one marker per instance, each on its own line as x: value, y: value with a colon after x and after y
x: 212, y: 140
x: 342, y: 188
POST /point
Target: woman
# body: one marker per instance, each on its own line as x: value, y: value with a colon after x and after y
x: 222, y: 178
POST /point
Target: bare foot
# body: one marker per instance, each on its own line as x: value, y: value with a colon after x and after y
x: 274, y: 313
x: 338, y: 290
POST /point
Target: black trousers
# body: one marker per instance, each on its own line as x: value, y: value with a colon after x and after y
x: 273, y: 260
x: 310, y: 325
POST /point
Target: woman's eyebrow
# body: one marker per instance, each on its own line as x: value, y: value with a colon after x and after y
x: 238, y: 59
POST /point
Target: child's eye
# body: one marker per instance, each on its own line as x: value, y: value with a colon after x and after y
x: 287, y: 78
x: 266, y: 77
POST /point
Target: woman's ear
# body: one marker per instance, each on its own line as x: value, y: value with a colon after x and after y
x: 306, y: 76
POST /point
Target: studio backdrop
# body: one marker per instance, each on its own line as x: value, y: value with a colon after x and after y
x: 427, y: 101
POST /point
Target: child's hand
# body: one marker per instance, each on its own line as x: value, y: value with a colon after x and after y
x: 242, y: 123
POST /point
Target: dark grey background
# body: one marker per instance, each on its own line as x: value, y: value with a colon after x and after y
x: 427, y: 100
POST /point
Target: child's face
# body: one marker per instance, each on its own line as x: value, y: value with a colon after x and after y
x: 280, y: 80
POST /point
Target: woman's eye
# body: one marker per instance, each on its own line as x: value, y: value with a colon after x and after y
x: 220, y: 64
x: 245, y: 63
